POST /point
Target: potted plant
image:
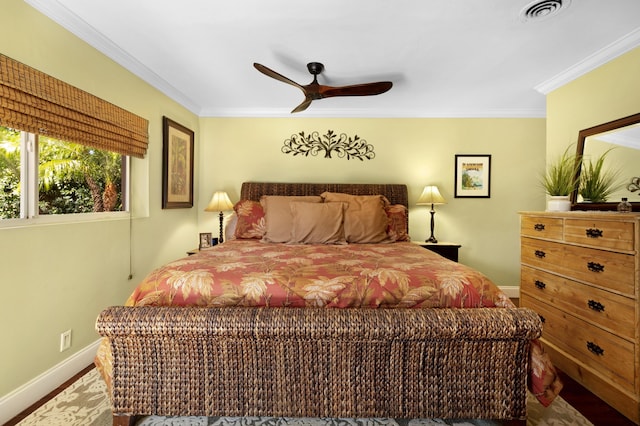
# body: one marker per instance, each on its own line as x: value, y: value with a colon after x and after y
x: 560, y: 180
x: 597, y: 183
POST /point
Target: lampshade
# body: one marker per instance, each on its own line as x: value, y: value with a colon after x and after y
x: 219, y: 202
x: 430, y: 195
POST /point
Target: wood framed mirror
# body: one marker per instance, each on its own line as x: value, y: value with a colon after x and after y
x: 622, y: 136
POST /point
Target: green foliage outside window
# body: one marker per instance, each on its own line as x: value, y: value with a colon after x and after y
x: 72, y: 178
x: 9, y: 173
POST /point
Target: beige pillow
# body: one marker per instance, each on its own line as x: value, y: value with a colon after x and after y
x: 278, y: 217
x: 365, y: 220
x: 318, y: 223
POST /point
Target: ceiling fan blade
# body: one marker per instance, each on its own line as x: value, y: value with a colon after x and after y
x: 271, y: 73
x: 304, y: 105
x: 366, y: 89
x: 314, y: 90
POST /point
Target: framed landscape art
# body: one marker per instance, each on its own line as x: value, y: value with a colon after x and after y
x: 473, y: 176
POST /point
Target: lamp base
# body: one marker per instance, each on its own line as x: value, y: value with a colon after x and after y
x: 220, y: 238
x: 432, y: 238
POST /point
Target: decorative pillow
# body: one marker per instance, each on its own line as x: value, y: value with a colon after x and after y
x: 230, y: 223
x: 365, y: 220
x: 397, y: 215
x: 317, y: 223
x: 278, y: 217
x: 251, y: 222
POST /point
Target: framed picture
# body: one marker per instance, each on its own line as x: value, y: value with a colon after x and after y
x: 177, y: 165
x: 473, y: 176
x: 205, y: 240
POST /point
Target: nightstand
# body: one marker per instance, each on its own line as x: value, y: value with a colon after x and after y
x: 444, y: 249
x: 214, y: 242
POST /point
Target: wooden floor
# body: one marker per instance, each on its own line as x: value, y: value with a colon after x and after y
x: 593, y: 408
x: 599, y: 413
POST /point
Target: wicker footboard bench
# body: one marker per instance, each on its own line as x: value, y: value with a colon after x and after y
x: 306, y: 362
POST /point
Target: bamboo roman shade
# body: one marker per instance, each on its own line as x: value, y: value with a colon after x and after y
x: 35, y: 102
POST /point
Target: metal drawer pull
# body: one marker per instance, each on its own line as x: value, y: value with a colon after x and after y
x: 594, y: 233
x: 540, y: 284
x: 539, y: 226
x: 595, y: 348
x: 595, y: 267
x: 596, y: 306
x: 540, y: 254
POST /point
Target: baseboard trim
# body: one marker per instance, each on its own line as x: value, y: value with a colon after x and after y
x: 511, y: 291
x: 26, y: 395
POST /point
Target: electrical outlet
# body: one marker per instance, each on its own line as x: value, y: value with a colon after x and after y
x: 65, y: 340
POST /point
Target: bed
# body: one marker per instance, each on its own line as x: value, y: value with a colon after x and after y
x: 313, y: 311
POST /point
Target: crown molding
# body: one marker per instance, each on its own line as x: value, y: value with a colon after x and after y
x: 601, y: 57
x: 374, y: 113
x: 80, y: 28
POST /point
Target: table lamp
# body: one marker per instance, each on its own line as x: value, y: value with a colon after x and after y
x: 219, y: 202
x: 431, y: 195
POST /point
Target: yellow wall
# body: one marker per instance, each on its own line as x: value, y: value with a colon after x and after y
x: 607, y: 93
x: 416, y: 152
x: 59, y: 277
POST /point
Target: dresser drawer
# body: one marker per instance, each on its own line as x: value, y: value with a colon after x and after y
x: 600, y: 233
x: 541, y: 227
x: 610, y: 355
x: 610, y: 311
x: 615, y: 271
x: 543, y: 254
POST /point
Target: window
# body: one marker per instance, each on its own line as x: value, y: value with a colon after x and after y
x: 62, y: 150
x: 69, y: 177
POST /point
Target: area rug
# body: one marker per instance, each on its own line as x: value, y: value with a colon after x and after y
x: 85, y: 403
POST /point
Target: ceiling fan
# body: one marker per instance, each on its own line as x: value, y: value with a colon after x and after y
x: 314, y: 90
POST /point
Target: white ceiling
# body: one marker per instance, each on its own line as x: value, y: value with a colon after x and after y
x: 456, y: 58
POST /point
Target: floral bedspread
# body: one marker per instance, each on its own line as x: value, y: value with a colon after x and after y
x: 398, y: 275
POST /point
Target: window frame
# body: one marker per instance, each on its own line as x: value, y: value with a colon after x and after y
x: 29, y: 197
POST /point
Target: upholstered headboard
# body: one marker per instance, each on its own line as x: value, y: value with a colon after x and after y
x: 395, y: 193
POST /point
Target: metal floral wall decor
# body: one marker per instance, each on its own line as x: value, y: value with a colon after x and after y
x: 329, y: 143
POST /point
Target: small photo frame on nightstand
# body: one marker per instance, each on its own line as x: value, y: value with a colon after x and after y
x: 205, y: 240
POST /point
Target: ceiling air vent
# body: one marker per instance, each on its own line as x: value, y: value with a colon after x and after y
x: 543, y: 9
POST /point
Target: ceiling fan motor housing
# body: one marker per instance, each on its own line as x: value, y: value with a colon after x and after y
x: 315, y: 68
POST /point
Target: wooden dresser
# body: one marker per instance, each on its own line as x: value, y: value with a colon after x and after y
x: 580, y: 273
